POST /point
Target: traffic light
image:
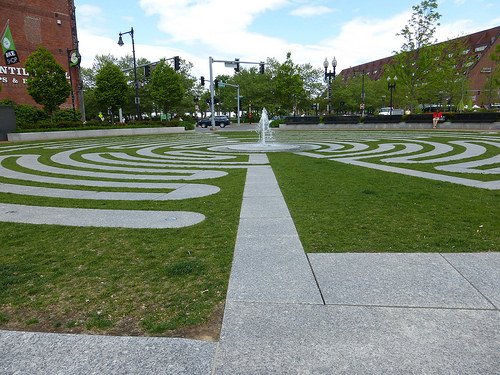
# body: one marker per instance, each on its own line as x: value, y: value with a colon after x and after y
x: 177, y: 63
x: 261, y: 70
x: 237, y: 69
x: 147, y: 70
x: 202, y: 81
x: 216, y: 83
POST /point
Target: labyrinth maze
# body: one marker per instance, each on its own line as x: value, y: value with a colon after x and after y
x: 176, y: 168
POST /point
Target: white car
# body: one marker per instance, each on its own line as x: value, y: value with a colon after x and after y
x: 386, y: 111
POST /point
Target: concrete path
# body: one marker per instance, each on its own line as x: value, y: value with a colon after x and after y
x: 287, y: 313
x: 292, y: 313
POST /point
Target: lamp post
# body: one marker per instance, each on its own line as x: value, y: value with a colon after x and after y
x: 363, y: 93
x: 391, y: 86
x: 74, y: 59
x: 136, y: 84
x: 328, y: 78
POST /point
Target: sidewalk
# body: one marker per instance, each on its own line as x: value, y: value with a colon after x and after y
x: 287, y: 313
x: 292, y: 313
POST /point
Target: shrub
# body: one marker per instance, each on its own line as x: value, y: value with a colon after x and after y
x: 26, y: 115
x: 276, y: 123
x: 66, y: 115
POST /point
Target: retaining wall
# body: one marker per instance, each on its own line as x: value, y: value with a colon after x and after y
x: 397, y: 126
x: 7, y: 121
x: 70, y: 134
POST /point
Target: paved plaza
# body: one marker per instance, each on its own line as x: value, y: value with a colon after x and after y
x: 287, y: 312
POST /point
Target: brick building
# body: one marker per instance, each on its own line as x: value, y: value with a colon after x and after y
x: 34, y: 23
x: 480, y: 44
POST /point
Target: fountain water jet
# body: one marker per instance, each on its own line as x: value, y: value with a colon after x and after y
x: 265, y: 135
x: 264, y: 129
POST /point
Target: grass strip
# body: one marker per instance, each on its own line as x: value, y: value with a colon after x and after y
x: 119, y: 281
x: 343, y: 208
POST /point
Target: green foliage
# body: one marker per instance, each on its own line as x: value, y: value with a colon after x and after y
x: 167, y: 88
x: 346, y: 94
x: 47, y: 83
x: 26, y: 115
x: 491, y: 91
x: 495, y: 57
x: 421, y: 27
x: 288, y: 85
x: 415, y: 62
x: 276, y: 123
x: 66, y: 115
x: 111, y: 88
x: 92, y: 107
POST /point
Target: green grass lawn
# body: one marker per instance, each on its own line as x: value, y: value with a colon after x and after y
x: 343, y: 208
x: 115, y: 280
x: 164, y: 281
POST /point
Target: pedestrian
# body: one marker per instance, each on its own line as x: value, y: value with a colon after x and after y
x: 436, y: 116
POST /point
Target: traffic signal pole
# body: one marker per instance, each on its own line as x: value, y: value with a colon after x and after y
x: 212, y: 93
x: 229, y: 64
x: 237, y: 97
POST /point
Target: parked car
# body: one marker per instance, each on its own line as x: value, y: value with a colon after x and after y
x: 221, y: 121
x: 386, y: 111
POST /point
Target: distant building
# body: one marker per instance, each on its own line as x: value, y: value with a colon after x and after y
x: 34, y: 23
x: 480, y: 44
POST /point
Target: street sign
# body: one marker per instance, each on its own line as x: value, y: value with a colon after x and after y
x: 230, y: 64
x: 222, y: 84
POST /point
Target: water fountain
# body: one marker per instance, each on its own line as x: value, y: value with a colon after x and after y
x: 266, y: 141
x: 264, y: 130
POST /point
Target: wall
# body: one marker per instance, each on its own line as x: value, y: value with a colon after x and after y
x: 7, y: 121
x: 34, y: 23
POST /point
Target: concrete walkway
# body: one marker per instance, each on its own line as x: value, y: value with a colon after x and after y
x: 288, y: 313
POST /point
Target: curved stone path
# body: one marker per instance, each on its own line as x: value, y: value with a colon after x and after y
x: 288, y: 312
x: 148, y: 163
x: 468, y: 156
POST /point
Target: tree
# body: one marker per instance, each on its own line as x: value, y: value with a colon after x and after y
x: 289, y: 86
x: 190, y: 87
x: 256, y: 89
x: 167, y: 88
x: 495, y: 57
x: 448, y: 82
x: 416, y: 59
x: 491, y: 91
x: 47, y: 83
x: 111, y: 88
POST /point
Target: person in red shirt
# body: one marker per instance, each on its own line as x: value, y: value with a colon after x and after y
x: 436, y: 116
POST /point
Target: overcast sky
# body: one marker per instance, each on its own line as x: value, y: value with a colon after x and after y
x: 354, y: 31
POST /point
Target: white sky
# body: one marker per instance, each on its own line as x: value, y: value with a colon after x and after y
x: 353, y: 31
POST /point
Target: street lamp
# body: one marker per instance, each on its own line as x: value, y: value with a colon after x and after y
x: 363, y: 94
x: 328, y: 78
x: 136, y: 84
x: 391, y: 86
x: 74, y: 60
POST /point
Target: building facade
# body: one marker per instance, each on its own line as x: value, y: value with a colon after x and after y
x: 35, y: 23
x: 481, y: 45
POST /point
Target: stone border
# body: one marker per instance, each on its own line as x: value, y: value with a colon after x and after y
x: 251, y: 148
x: 69, y: 134
x: 397, y: 126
